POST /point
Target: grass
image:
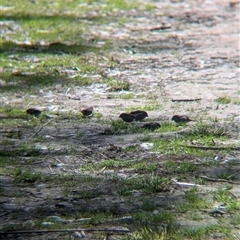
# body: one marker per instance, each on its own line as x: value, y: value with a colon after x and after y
x: 117, y: 85
x: 202, y: 133
x: 146, y: 184
x: 223, y: 100
x: 120, y: 164
x: 23, y: 176
x: 52, y: 44
x: 150, y: 107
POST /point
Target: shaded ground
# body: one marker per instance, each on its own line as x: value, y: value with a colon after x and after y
x: 178, y: 50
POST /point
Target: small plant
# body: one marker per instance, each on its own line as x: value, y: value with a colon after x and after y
x: 223, y: 100
x: 118, y: 85
x: 27, y: 176
x: 145, y: 167
x: 130, y: 148
x: 148, y: 205
x: 118, y: 125
x: 187, y: 167
x: 194, y: 201
x: 224, y: 196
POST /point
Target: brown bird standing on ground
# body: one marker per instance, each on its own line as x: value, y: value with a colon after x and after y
x: 139, y: 115
x: 181, y: 119
x: 137, y: 112
x: 33, y: 111
x: 87, y: 112
x: 151, y: 125
x: 127, y: 117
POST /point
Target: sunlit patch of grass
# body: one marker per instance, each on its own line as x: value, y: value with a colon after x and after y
x: 177, y: 147
x: 205, y: 130
x: 27, y: 176
x: 146, y: 184
x: 121, y: 96
x: 206, y: 232
x: 202, y: 133
x: 165, y: 218
x: 6, y: 162
x: 119, y: 126
x: 236, y: 101
x: 194, y: 200
x: 13, y: 112
x: 224, y: 196
x: 181, y: 168
x: 149, y: 234
x: 150, y: 107
x: 235, y: 220
x: 168, y: 127
x: 48, y: 70
x: 121, y: 164
x: 117, y: 85
x: 223, y: 100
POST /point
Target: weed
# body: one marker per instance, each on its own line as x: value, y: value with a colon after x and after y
x: 27, y: 176
x: 150, y: 107
x: 148, y: 205
x: 130, y: 148
x: 181, y: 168
x: 224, y: 196
x: 117, y: 85
x: 148, y: 184
x: 235, y: 220
x: 147, y: 233
x: 223, y: 100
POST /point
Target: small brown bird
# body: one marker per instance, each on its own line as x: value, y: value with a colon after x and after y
x: 181, y: 119
x: 137, y: 112
x: 87, y: 112
x: 33, y: 111
x: 139, y: 115
x: 127, y: 117
x: 151, y: 125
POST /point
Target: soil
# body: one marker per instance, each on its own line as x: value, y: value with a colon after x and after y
x: 181, y: 50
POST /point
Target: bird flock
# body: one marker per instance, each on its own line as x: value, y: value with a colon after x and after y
x: 137, y: 115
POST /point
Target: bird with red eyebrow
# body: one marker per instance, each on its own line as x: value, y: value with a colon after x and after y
x: 139, y: 115
x: 87, y: 112
x: 181, y: 119
x: 127, y: 117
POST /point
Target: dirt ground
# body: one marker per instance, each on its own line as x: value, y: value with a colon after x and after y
x: 180, y: 50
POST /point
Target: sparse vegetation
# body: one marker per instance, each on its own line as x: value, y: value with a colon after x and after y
x: 117, y: 85
x: 223, y: 100
x: 93, y: 172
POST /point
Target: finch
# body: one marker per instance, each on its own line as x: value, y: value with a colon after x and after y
x: 127, y: 117
x: 151, y: 125
x: 33, y: 111
x: 181, y: 119
x: 87, y: 112
x: 139, y: 115
x: 137, y: 112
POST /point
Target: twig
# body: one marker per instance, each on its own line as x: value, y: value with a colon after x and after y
x: 218, y: 180
x: 233, y: 175
x: 212, y: 147
x: 107, y: 230
x: 40, y: 129
x: 186, y: 100
x: 6, y: 213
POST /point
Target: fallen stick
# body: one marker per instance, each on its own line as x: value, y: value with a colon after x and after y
x: 218, y: 180
x: 212, y: 147
x: 40, y: 129
x: 186, y: 100
x: 107, y: 230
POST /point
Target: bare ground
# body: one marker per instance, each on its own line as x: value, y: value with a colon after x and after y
x: 197, y: 57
